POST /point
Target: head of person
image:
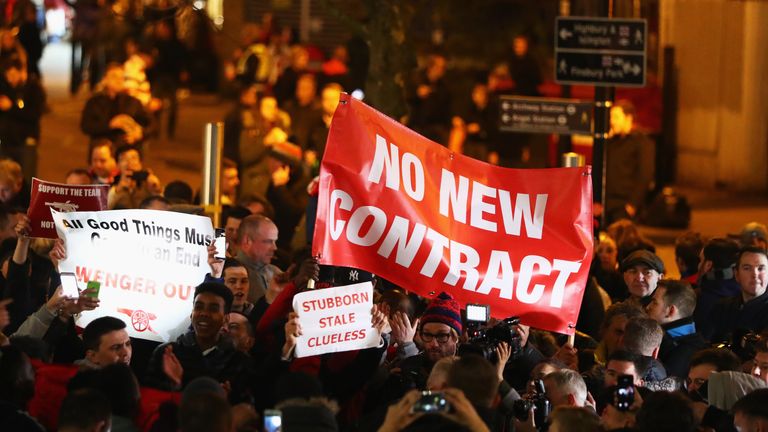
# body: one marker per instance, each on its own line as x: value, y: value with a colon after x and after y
x: 438, y: 376
x: 718, y: 255
x: 476, y: 377
x: 257, y: 205
x: 211, y: 306
x: 573, y: 419
x: 85, y: 410
x: 128, y: 158
x: 268, y: 108
x: 178, y: 192
x: 565, y: 387
x: 545, y: 368
x: 114, y: 79
x: 704, y: 362
x: 520, y: 45
x: 642, y: 271
x: 235, y: 277
x: 106, y: 342
x: 622, y: 362
x: 607, y: 253
x: 750, y: 413
x: 440, y: 327
x: 257, y: 238
x: 643, y: 336
x: 299, y: 58
x: 155, y: 202
x: 754, y: 234
x: 103, y: 164
x: 480, y: 95
x: 241, y: 332
x: 436, y: 66
x: 205, y: 412
x: 230, y: 178
x: 306, y: 89
x: 78, y: 176
x: 622, y: 117
x: 688, y: 253
x: 121, y: 387
x: 752, y: 272
x: 760, y: 361
x: 665, y: 412
x: 11, y: 179
x: 17, y: 377
x: 249, y: 96
x: 232, y: 216
x: 329, y: 98
x: 14, y: 72
x: 673, y: 300
x: 614, y: 323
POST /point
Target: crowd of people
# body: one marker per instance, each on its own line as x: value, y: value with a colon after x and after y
x: 692, y: 352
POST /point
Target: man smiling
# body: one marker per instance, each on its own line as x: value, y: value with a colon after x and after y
x: 749, y: 309
x: 204, y: 350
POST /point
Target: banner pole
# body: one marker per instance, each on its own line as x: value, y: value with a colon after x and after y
x: 210, y: 194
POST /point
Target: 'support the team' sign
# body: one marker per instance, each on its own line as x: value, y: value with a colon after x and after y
x: 398, y: 205
x: 64, y: 198
x: 335, y: 320
x: 148, y: 263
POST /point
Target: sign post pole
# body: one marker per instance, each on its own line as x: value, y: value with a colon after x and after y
x: 603, y: 52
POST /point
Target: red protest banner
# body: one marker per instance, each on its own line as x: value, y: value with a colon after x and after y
x: 63, y: 198
x: 398, y: 205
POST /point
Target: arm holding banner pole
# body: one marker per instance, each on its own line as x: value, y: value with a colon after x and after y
x: 210, y: 195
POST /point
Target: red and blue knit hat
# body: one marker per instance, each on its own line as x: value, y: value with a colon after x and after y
x: 444, y: 309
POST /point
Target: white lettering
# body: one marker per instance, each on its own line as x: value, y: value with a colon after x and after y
x: 566, y: 268
x: 524, y: 278
x: 398, y: 236
x: 479, y: 207
x: 383, y: 159
x: 451, y: 197
x: 413, y: 170
x: 439, y: 242
x: 534, y: 225
x: 374, y: 232
x: 458, y: 265
x: 345, y: 203
x: 500, y: 275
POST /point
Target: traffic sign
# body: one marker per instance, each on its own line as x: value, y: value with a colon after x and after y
x: 600, y: 34
x: 600, y: 51
x: 600, y: 69
x: 545, y: 115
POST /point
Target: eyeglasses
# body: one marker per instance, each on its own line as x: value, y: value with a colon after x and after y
x: 441, y: 337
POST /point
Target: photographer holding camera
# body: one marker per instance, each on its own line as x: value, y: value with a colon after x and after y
x: 134, y: 183
x: 467, y: 401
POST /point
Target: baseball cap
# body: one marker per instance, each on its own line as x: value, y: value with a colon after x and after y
x: 645, y: 257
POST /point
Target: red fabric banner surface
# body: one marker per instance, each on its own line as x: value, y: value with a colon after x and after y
x: 64, y: 198
x: 409, y: 210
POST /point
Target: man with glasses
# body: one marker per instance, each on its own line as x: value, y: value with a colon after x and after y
x: 439, y: 331
x: 642, y: 271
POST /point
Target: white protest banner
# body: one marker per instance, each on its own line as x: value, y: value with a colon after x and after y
x: 148, y: 263
x: 335, y: 320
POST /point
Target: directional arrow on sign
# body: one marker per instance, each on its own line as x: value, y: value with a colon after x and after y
x: 565, y: 34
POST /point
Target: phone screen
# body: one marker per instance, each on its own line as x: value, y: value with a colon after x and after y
x: 93, y: 288
x: 625, y: 392
x: 69, y: 285
x: 430, y: 402
x: 273, y: 420
x: 221, y: 244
